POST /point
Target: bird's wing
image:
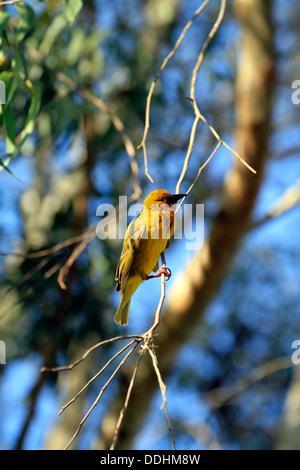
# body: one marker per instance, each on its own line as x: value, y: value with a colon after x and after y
x: 156, y: 267
x: 134, y: 234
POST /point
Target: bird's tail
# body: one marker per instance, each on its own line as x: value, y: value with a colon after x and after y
x: 122, y: 313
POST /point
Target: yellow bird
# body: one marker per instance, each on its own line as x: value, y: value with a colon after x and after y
x: 146, y: 238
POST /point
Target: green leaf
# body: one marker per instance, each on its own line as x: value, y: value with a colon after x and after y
x: 4, y: 17
x: 2, y: 93
x: 27, y: 18
x: 50, y: 36
x: 72, y: 8
x: 5, y: 76
x: 22, y: 59
x: 29, y: 124
x: 4, y: 167
x: 11, y: 132
x: 30, y: 120
x: 33, y: 110
x: 11, y: 89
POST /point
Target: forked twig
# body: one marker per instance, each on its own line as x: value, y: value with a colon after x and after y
x: 197, y: 177
x: 100, y: 395
x: 85, y: 355
x: 150, y: 93
x: 96, y: 375
x: 198, y: 115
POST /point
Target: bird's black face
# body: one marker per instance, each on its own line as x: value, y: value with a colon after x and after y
x: 172, y: 199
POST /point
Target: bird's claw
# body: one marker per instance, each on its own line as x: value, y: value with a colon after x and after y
x: 163, y: 270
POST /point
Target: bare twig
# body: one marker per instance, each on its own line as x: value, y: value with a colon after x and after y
x: 56, y: 248
x: 162, y: 389
x: 100, y: 395
x: 122, y: 412
x: 149, y: 333
x: 286, y: 202
x: 198, y: 115
x: 197, y: 177
x: 224, y: 395
x: 206, y: 44
x: 222, y: 142
x: 64, y: 270
x: 150, y: 93
x: 82, y: 358
x: 87, y: 236
x: 147, y: 345
x: 39, y: 266
x: 97, y: 375
x: 32, y: 289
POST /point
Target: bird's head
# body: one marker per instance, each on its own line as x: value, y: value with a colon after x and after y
x: 162, y: 198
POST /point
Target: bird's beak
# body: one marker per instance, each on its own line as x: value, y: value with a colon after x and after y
x: 175, y: 197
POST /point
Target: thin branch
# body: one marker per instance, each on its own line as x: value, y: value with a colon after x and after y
x: 82, y: 358
x: 162, y: 389
x: 209, y: 38
x: 224, y: 395
x: 286, y: 202
x: 64, y: 270
x: 54, y: 249
x: 122, y: 412
x: 150, y: 93
x: 149, y: 334
x: 96, y: 375
x: 192, y: 97
x: 91, y: 234
x: 198, y: 115
x: 27, y: 276
x: 100, y: 395
x: 88, y: 235
x: 32, y: 289
x: 197, y: 177
x: 188, y: 154
x: 222, y: 142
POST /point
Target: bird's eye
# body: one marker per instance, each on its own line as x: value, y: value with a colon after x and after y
x: 165, y: 199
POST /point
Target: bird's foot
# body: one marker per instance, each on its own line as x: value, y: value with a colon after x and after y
x: 163, y: 270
